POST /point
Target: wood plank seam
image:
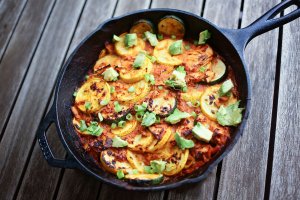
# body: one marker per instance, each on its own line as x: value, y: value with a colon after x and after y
x: 12, y: 32
x: 46, y: 108
x: 274, y: 117
x: 25, y: 74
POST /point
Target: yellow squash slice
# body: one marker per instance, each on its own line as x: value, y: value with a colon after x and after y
x: 130, y: 75
x: 92, y: 93
x: 161, y: 52
x: 136, y: 160
x: 177, y: 163
x: 122, y: 50
x: 158, y: 144
x: 141, y: 90
x: 192, y: 95
x: 128, y: 128
x: 111, y: 60
x: 208, y: 99
x: 111, y: 164
x: 141, y: 142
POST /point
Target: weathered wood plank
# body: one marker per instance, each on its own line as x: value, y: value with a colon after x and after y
x: 286, y: 171
x: 10, y: 12
x: 194, y: 6
x: 30, y: 105
x: 86, y: 186
x: 125, y: 6
x: 19, y: 52
x: 243, y: 172
x: 206, y: 188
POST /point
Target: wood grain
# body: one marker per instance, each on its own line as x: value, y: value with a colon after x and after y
x: 10, y: 12
x: 125, y: 6
x: 30, y: 105
x: 244, y: 170
x: 205, y: 189
x: 86, y: 186
x: 19, y: 52
x: 286, y: 171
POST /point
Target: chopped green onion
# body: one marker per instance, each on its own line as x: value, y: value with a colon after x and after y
x: 141, y: 108
x: 160, y: 36
x: 131, y: 89
x: 113, y: 125
x: 104, y: 102
x: 87, y: 76
x: 202, y: 69
x: 88, y: 105
x: 173, y: 36
x: 121, y: 123
x: 118, y: 108
x: 82, y: 126
x: 120, y: 174
x: 75, y: 94
x: 196, y: 104
x: 129, y: 117
x: 160, y: 87
x: 116, y: 38
x: 150, y: 78
x: 112, y: 89
x: 194, y: 114
x: 139, y: 116
x: 100, y: 117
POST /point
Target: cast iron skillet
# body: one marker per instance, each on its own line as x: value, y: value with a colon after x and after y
x: 228, y: 43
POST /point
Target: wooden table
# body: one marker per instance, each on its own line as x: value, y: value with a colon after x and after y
x: 36, y: 37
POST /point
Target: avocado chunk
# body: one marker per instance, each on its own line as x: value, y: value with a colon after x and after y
x: 176, y: 48
x: 204, y: 36
x: 230, y: 115
x: 183, y: 143
x: 118, y: 142
x: 177, y: 79
x: 226, y: 87
x: 151, y: 38
x: 139, y: 61
x: 176, y: 116
x: 149, y: 118
x: 130, y: 39
x: 110, y: 74
x: 202, y: 133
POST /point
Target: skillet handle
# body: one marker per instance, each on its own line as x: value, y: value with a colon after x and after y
x: 241, y: 37
x: 69, y: 162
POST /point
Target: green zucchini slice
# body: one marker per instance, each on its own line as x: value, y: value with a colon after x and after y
x: 144, y: 179
x: 163, y: 104
x: 219, y: 69
x: 171, y: 25
x: 141, y: 26
x: 111, y: 116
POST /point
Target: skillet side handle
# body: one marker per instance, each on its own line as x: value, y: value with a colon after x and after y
x: 69, y: 162
x: 241, y: 37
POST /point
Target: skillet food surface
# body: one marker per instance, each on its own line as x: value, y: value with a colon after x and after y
x: 156, y: 106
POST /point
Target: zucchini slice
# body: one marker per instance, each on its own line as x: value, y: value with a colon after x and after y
x: 136, y: 160
x: 111, y: 116
x: 111, y: 164
x: 177, y: 162
x: 141, y: 26
x: 208, y: 102
x: 130, y: 75
x: 163, y: 104
x: 92, y: 91
x: 140, y: 141
x: 161, y: 52
x: 127, y: 129
x: 219, y: 69
x: 122, y: 50
x: 111, y: 60
x: 144, y: 179
x: 158, y: 144
x: 141, y: 90
x: 171, y: 25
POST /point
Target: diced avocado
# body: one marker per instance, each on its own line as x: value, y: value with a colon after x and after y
x: 203, y: 36
x: 158, y: 166
x: 110, y: 74
x: 116, y: 38
x: 202, y: 133
x: 230, y: 115
x: 130, y: 39
x: 118, y: 142
x: 120, y: 174
x: 177, y: 80
x: 226, y: 87
x: 148, y: 119
x: 183, y: 143
x: 151, y: 38
x: 176, y: 116
x: 176, y: 48
x: 139, y: 60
